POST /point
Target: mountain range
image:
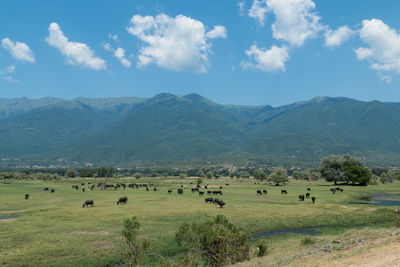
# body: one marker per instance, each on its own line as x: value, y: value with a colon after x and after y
x: 190, y: 129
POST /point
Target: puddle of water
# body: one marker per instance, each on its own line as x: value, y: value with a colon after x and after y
x: 385, y: 199
x: 8, y: 217
x: 302, y: 231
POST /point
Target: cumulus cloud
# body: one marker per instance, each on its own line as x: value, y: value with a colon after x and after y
x: 258, y: 10
x: 10, y: 69
x: 179, y: 44
x: 113, y: 36
x: 20, y: 51
x: 383, y: 52
x: 120, y: 54
x: 241, y: 8
x: 271, y: 60
x: 76, y: 53
x: 339, y: 36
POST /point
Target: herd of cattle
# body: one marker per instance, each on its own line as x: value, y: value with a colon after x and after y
x: 180, y: 191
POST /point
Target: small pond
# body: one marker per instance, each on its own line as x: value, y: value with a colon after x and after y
x: 8, y: 217
x: 385, y: 199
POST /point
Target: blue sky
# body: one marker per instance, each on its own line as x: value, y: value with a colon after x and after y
x: 234, y: 52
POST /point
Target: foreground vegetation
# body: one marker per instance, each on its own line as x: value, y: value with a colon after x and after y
x: 54, y: 229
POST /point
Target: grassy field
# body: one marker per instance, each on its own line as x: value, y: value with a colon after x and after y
x: 53, y: 229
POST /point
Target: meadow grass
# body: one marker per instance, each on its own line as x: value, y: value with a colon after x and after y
x: 53, y: 228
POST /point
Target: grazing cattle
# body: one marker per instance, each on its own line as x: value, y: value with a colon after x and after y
x: 313, y: 200
x: 83, y: 189
x: 88, y: 203
x: 308, y: 195
x: 220, y: 203
x: 206, y: 187
x: 283, y: 192
x: 227, y: 184
x: 147, y: 189
x: 220, y: 187
x: 308, y: 189
x: 201, y: 193
x: 339, y: 189
x: 52, y: 190
x: 301, y: 197
x: 122, y: 200
x: 180, y: 191
x: 218, y: 192
x: 209, y: 192
x: 209, y: 200
x: 169, y: 191
x: 154, y: 189
x: 46, y: 189
x: 259, y: 192
x: 264, y: 191
x: 333, y: 190
x: 26, y: 196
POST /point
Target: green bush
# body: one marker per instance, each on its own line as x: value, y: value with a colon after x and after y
x: 307, y: 241
x: 136, y: 251
x: 217, y: 242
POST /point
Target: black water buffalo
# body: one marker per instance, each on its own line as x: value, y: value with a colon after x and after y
x: 147, y: 189
x: 169, y: 191
x: 83, y: 189
x: 218, y: 192
x: 333, y: 190
x: 339, y: 189
x: 122, y: 200
x: 259, y: 192
x: 220, y: 203
x: 201, y: 193
x: 88, y: 203
x: 209, y: 192
x: 301, y: 197
x: 154, y: 189
x: 46, y: 189
x: 180, y: 191
x: 264, y: 191
x: 283, y: 192
x: 26, y: 196
x: 220, y: 187
x: 313, y: 200
x: 227, y: 184
x: 308, y: 189
x: 52, y: 190
x: 209, y: 200
x: 308, y: 195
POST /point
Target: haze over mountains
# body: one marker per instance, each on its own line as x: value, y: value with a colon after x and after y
x: 190, y: 129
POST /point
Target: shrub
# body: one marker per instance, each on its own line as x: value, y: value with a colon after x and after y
x: 307, y: 241
x: 136, y: 251
x: 262, y: 249
x: 217, y: 242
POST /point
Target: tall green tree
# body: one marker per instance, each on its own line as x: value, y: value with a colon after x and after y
x: 278, y: 176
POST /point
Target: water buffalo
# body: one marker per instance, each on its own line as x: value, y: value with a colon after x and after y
x: 283, y: 192
x: 259, y: 192
x: 220, y: 203
x: 169, y: 191
x: 180, y: 191
x: 147, y: 189
x: 88, y: 203
x: 26, y: 196
x: 154, y: 189
x: 313, y: 200
x: 333, y: 190
x: 122, y: 200
x: 83, y: 189
x: 52, y: 190
x: 308, y: 189
x: 201, y: 193
x: 308, y: 195
x: 209, y: 200
x: 264, y: 191
x: 46, y: 189
x: 301, y: 197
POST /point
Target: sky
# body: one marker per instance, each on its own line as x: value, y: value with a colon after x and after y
x: 254, y: 52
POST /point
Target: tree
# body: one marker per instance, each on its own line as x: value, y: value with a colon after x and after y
x: 260, y: 175
x: 137, y: 175
x: 354, y: 173
x: 71, y: 173
x: 200, y: 174
x: 244, y: 174
x: 183, y: 175
x: 154, y: 174
x: 216, y: 174
x: 136, y: 251
x: 217, y: 242
x: 232, y: 174
x: 209, y: 175
x: 331, y: 169
x: 199, y: 181
x: 279, y: 176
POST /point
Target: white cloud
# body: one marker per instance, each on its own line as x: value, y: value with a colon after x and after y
x: 271, y: 60
x: 258, y: 10
x: 383, y: 52
x: 113, y: 36
x: 339, y: 36
x: 75, y: 52
x: 179, y: 44
x: 241, y: 8
x: 10, y: 79
x: 218, y: 32
x: 18, y: 50
x: 120, y: 54
x: 107, y: 47
x: 385, y: 78
x: 10, y: 69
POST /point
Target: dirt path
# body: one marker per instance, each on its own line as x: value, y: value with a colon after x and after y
x: 383, y: 256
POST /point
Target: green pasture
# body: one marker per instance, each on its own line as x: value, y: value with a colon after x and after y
x: 54, y: 229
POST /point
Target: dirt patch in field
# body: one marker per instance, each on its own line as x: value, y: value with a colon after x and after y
x: 99, y: 233
x: 101, y: 245
x: 10, y: 212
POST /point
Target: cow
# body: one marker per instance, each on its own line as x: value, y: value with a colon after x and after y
x: 147, y: 189
x: 83, y: 189
x: 169, y: 191
x: 220, y: 187
x: 308, y: 189
x: 180, y: 191
x: 154, y: 189
x: 333, y: 190
x: 52, y: 190
x: 218, y: 192
x: 264, y: 191
x: 283, y: 192
x: 308, y: 195
x: 88, y: 203
x: 220, y: 203
x: 227, y: 184
x: 46, y: 189
x: 301, y: 197
x: 201, y: 193
x: 26, y: 196
x: 313, y: 200
x: 209, y: 192
x: 259, y: 192
x: 209, y: 200
x: 122, y: 200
